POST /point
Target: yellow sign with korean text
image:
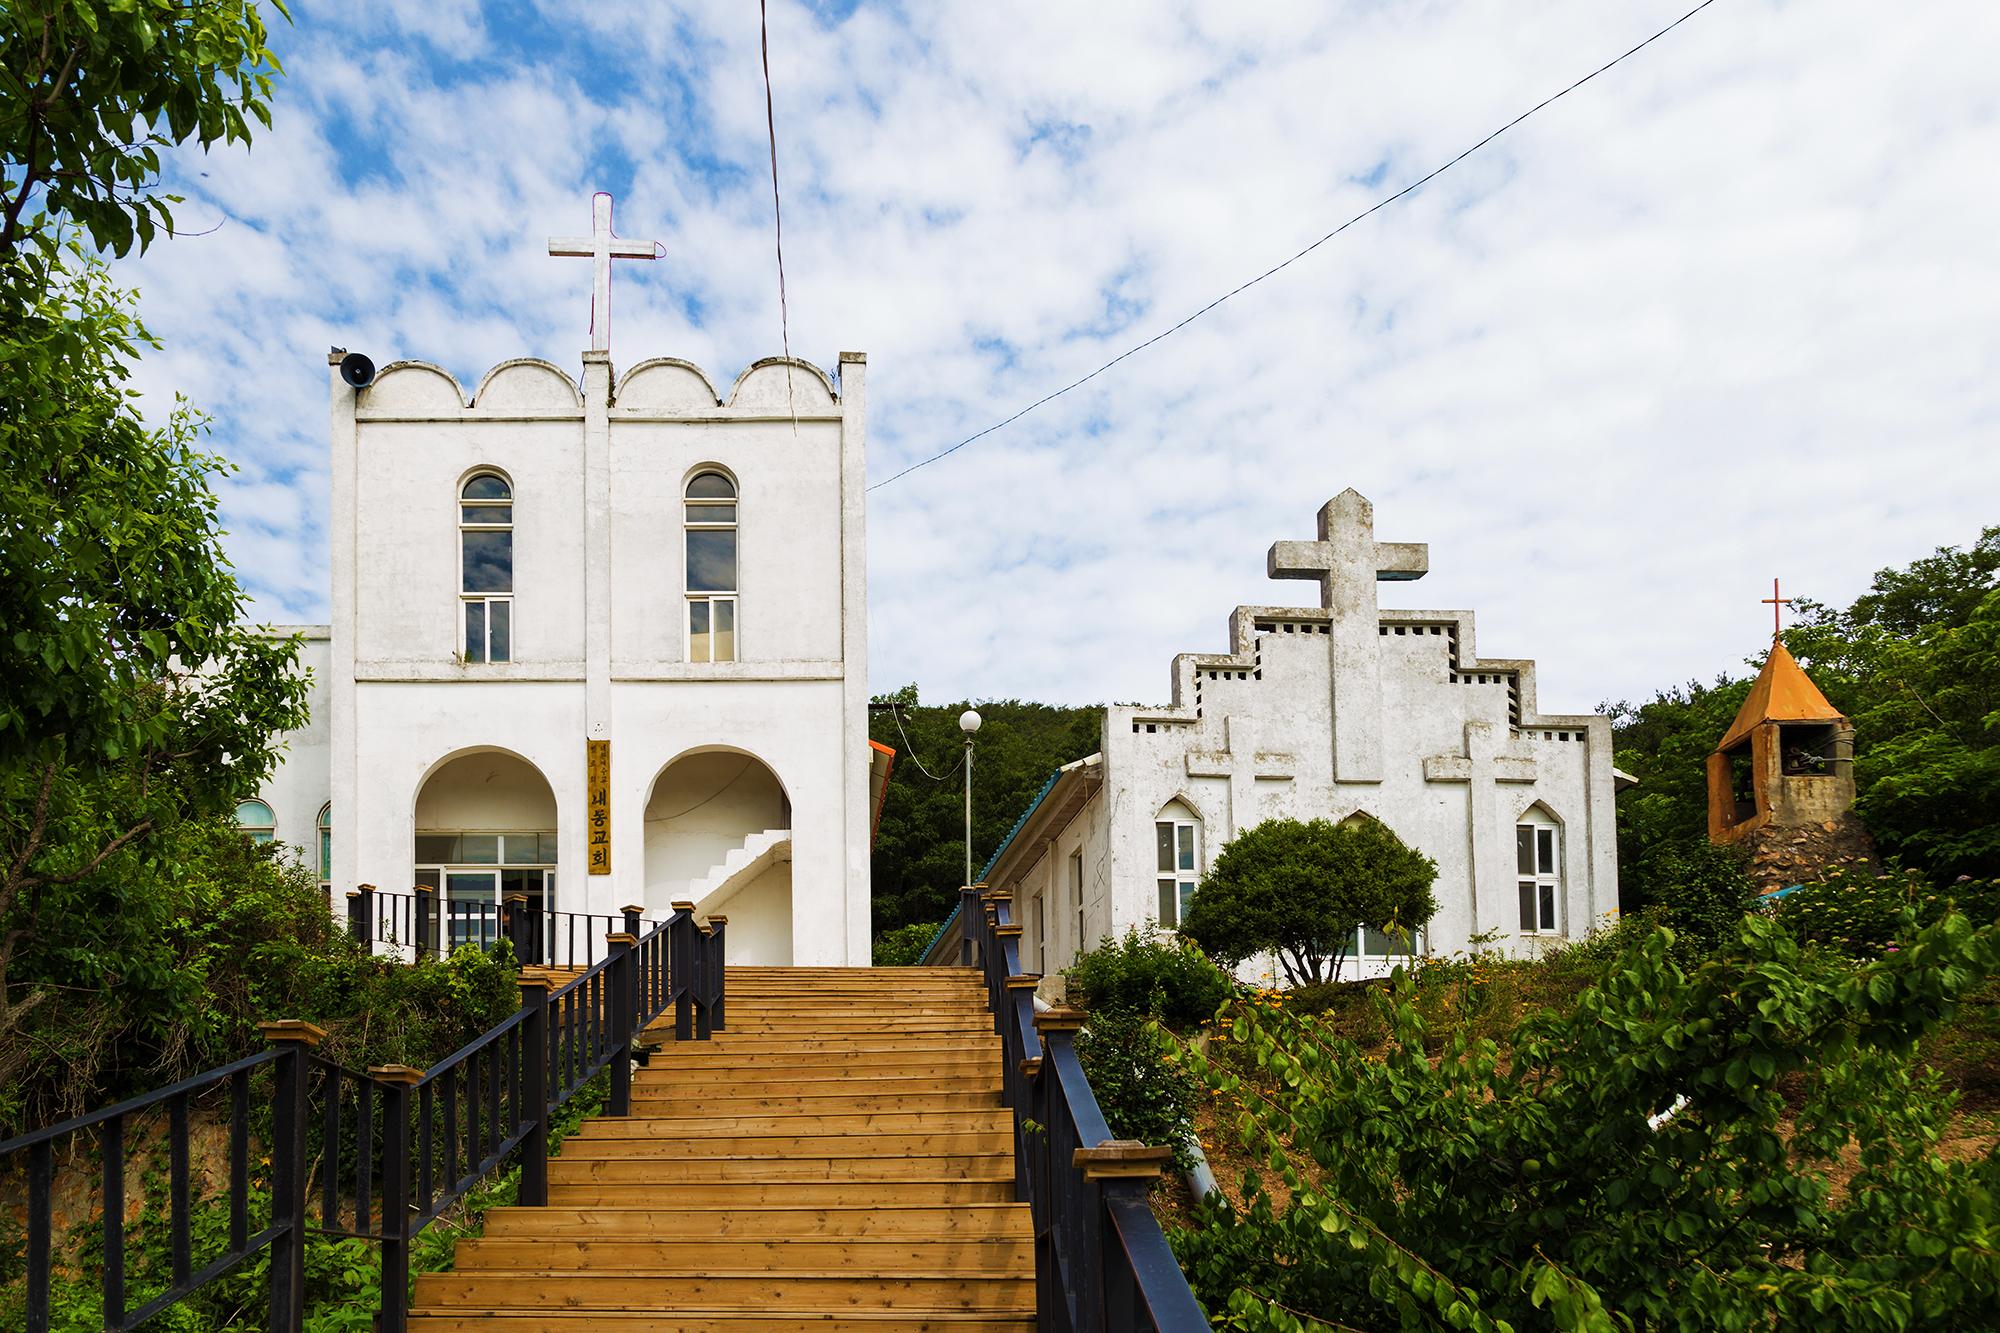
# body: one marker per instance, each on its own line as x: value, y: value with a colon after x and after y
x: 598, y: 783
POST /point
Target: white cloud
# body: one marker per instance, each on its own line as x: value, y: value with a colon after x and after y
x: 1726, y: 312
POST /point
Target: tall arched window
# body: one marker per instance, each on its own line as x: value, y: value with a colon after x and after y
x: 1538, y: 866
x: 711, y: 568
x: 486, y: 566
x: 326, y: 845
x: 255, y: 819
x: 1177, y: 847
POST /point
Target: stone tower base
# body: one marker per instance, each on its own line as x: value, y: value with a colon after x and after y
x: 1781, y: 857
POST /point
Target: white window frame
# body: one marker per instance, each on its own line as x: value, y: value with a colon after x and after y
x: 485, y: 600
x: 1177, y: 886
x: 258, y: 833
x: 712, y: 600
x: 323, y: 845
x: 1420, y: 945
x: 1076, y: 887
x: 1538, y: 872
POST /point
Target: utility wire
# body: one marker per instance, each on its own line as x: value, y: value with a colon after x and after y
x: 1380, y: 204
x: 896, y: 712
x: 777, y: 210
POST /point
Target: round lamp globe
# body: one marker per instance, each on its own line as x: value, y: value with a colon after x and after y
x: 968, y: 721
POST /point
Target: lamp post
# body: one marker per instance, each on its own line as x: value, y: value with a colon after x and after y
x: 968, y: 722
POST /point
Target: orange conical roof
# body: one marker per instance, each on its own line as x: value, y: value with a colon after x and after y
x: 1783, y: 693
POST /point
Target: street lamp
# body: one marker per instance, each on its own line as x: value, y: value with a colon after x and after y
x: 968, y: 722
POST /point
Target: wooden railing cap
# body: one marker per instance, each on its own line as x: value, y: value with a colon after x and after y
x: 293, y: 1029
x: 1008, y: 931
x: 718, y: 920
x: 533, y: 977
x: 365, y: 888
x: 406, y: 1075
x: 514, y: 898
x: 1122, y: 1159
x: 683, y: 907
x: 621, y: 937
x: 1062, y: 1018
x: 354, y: 893
x: 633, y: 911
x: 1024, y: 981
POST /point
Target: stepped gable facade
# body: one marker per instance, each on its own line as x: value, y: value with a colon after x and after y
x: 597, y: 642
x: 1338, y: 711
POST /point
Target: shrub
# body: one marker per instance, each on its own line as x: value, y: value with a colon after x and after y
x: 1303, y: 890
x: 1147, y: 977
x: 1859, y: 913
x: 1142, y: 1087
x: 904, y: 946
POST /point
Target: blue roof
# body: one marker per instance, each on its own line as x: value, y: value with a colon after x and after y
x: 994, y: 859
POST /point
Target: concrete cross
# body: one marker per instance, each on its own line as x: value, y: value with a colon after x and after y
x: 601, y: 247
x: 1244, y: 765
x: 1347, y: 557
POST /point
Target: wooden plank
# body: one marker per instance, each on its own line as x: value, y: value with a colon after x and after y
x: 694, y: 1125
x: 748, y: 1290
x: 781, y: 1148
x: 960, y: 1166
x: 960, y: 1221
x: 818, y: 1321
x: 877, y: 1256
x: 760, y: 1193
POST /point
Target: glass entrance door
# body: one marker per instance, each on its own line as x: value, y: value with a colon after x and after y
x: 472, y: 907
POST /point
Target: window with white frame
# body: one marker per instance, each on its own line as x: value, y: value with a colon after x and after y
x: 486, y: 567
x: 325, y: 831
x: 256, y: 820
x: 711, y: 568
x: 1395, y: 944
x: 1177, y: 856
x: 1537, y: 862
x: 1041, y: 935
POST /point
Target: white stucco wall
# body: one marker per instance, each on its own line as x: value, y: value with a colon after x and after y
x: 597, y: 468
x: 301, y: 784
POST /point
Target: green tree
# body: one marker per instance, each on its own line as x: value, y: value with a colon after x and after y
x: 1657, y: 1156
x: 1303, y: 890
x: 91, y: 91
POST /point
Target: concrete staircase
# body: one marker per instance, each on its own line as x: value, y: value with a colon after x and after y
x: 838, y: 1160
x: 712, y: 892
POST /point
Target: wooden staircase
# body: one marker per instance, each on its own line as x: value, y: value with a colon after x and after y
x: 838, y: 1160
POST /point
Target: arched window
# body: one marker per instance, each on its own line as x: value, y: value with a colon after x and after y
x: 1538, y: 866
x: 255, y: 818
x: 486, y: 566
x: 1177, y: 848
x: 326, y: 844
x: 711, y: 568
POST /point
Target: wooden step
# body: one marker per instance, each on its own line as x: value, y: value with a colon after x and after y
x: 717, y: 1058
x: 779, y: 1255
x: 670, y: 1173
x: 691, y: 1286
x: 765, y: 1193
x: 676, y: 1103
x: 816, y: 1083
x: 767, y: 1043
x: 765, y: 1321
x: 976, y: 1119
x: 968, y: 1221
x: 759, y: 1147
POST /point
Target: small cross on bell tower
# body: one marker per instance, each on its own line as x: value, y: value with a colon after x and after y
x: 1777, y: 605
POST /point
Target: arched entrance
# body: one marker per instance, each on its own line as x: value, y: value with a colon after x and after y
x: 485, y: 832
x: 718, y: 834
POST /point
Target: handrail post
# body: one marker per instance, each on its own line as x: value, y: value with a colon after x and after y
x: 683, y: 969
x: 619, y: 998
x: 968, y: 924
x: 706, y: 956
x: 632, y: 915
x: 425, y: 932
x: 395, y: 1082
x: 514, y: 925
x: 535, y: 983
x: 718, y: 975
x: 295, y: 1038
x: 1121, y: 1171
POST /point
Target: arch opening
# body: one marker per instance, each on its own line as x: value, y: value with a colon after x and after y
x: 485, y: 843
x: 719, y: 835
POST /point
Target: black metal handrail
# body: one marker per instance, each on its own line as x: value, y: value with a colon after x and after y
x: 397, y: 1145
x: 431, y: 927
x: 1101, y: 1261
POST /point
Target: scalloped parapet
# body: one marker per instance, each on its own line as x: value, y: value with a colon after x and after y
x: 527, y: 384
x: 414, y: 387
x: 667, y: 384
x: 776, y: 384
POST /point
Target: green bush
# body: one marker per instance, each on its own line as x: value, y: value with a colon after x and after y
x: 904, y: 946
x: 1859, y: 914
x: 1142, y: 1087
x: 1140, y: 976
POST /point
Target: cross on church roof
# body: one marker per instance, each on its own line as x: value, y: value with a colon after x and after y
x: 1347, y: 551
x: 1777, y: 605
x: 601, y: 247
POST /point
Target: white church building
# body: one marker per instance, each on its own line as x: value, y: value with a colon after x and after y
x: 1337, y: 711
x: 598, y: 641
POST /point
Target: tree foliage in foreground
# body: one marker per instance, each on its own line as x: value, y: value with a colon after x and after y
x: 1531, y: 1185
x: 1302, y: 888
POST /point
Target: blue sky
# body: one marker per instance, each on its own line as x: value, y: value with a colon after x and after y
x: 1726, y: 313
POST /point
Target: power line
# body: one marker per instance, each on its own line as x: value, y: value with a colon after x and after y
x: 1378, y: 205
x: 897, y: 713
x: 777, y: 208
